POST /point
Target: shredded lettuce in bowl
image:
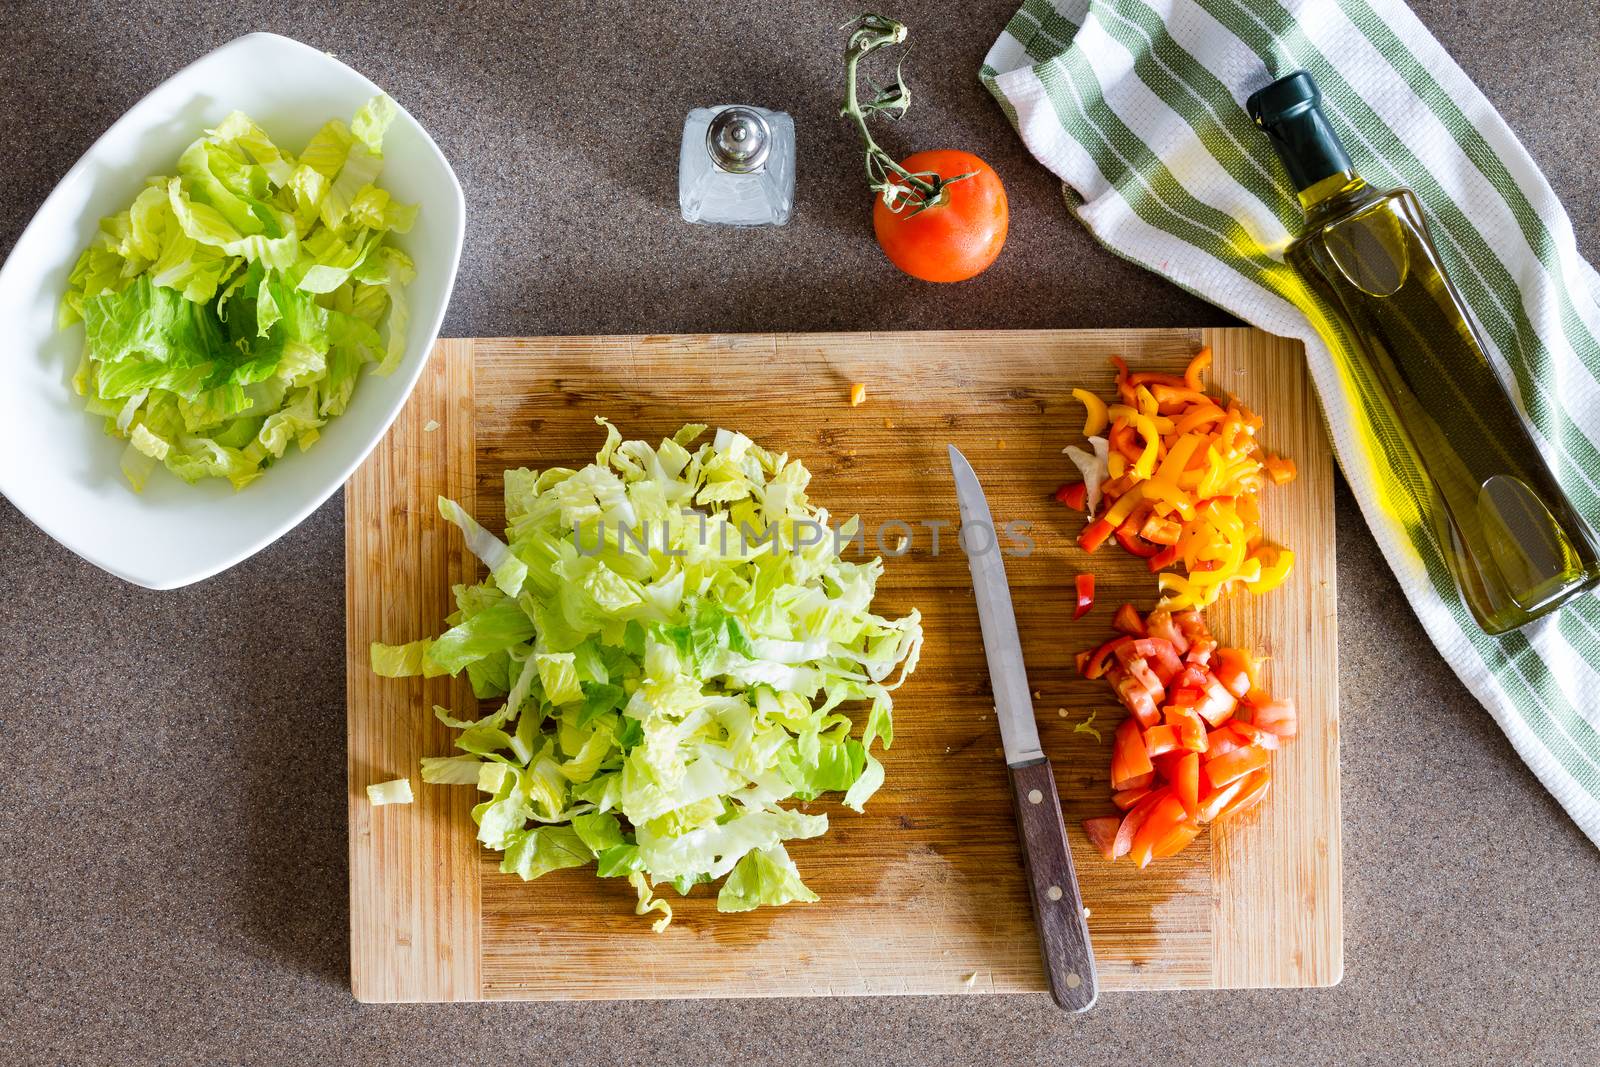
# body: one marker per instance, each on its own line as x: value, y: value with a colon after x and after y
x: 229, y: 310
x: 681, y: 648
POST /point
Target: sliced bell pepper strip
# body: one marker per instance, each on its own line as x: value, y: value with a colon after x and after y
x: 1094, y: 412
x: 1074, y: 495
x: 1100, y: 658
x: 1085, y: 589
x: 1095, y: 534
x: 1197, y: 366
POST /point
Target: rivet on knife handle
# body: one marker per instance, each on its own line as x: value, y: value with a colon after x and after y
x: 1053, y: 884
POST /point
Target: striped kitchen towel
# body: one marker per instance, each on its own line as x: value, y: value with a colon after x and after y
x: 1138, y: 106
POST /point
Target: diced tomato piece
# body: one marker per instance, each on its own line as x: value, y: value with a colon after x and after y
x: 1223, y: 740
x: 1162, y: 657
x: 1253, y: 789
x: 1095, y: 535
x: 1212, y: 801
x: 1185, y: 697
x: 1166, y: 765
x: 1231, y: 766
x: 1160, y: 624
x: 1129, y: 759
x: 1135, y: 819
x: 1159, y: 740
x: 1161, y: 821
x: 1100, y: 658
x: 1277, y: 717
x: 1186, y: 723
x: 1138, y: 690
x: 1218, y: 703
x: 1234, y: 670
x: 1081, y: 661
x: 1127, y: 621
x: 1074, y: 495
x: 1085, y: 587
x: 1176, y: 841
x: 1251, y: 734
x: 1102, y: 833
x: 1127, y: 798
x: 1186, y: 783
x: 1192, y: 676
x: 1194, y: 628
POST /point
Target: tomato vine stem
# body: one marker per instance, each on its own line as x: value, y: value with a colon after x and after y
x: 899, y: 187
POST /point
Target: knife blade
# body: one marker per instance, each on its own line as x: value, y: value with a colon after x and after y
x: 1052, y: 880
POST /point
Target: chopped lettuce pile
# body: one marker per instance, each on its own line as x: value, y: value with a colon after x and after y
x: 230, y: 309
x: 676, y: 643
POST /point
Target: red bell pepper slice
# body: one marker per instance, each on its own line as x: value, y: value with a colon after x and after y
x: 1074, y: 495
x: 1164, y: 559
x: 1085, y: 588
x: 1095, y: 535
x: 1129, y: 539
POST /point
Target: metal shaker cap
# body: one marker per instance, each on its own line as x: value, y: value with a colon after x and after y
x: 739, y: 140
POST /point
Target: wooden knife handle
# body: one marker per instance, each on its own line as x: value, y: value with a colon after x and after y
x: 1053, y: 883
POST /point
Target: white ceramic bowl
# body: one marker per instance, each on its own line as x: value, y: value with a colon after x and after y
x: 57, y: 464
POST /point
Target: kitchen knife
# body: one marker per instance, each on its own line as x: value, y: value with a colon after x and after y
x: 1052, y: 881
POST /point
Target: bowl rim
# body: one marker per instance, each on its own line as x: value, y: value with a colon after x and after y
x: 275, y: 527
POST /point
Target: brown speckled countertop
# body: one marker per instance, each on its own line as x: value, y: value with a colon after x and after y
x: 172, y: 822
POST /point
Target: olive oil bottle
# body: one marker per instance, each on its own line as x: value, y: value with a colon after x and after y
x: 1515, y: 546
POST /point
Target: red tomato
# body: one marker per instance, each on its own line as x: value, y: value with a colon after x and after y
x: 1176, y: 841
x: 1127, y: 798
x: 1212, y: 801
x: 1159, y: 740
x: 1234, y: 670
x: 1127, y: 621
x: 1186, y: 783
x: 955, y: 238
x: 1254, y: 788
x: 1186, y: 724
x: 1230, y: 766
x: 1129, y: 760
x: 1277, y: 716
x: 1102, y: 833
x: 1135, y: 819
x: 1165, y: 817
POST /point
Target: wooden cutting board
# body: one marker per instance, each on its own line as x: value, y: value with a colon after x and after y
x: 924, y: 892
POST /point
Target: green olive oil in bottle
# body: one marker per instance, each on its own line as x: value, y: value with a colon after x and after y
x: 1515, y: 546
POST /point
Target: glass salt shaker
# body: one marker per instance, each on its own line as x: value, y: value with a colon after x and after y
x: 736, y: 166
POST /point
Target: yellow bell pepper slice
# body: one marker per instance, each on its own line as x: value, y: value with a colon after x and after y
x: 1274, y: 573
x: 1095, y: 419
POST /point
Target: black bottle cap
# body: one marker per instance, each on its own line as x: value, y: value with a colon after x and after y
x: 1290, y: 112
